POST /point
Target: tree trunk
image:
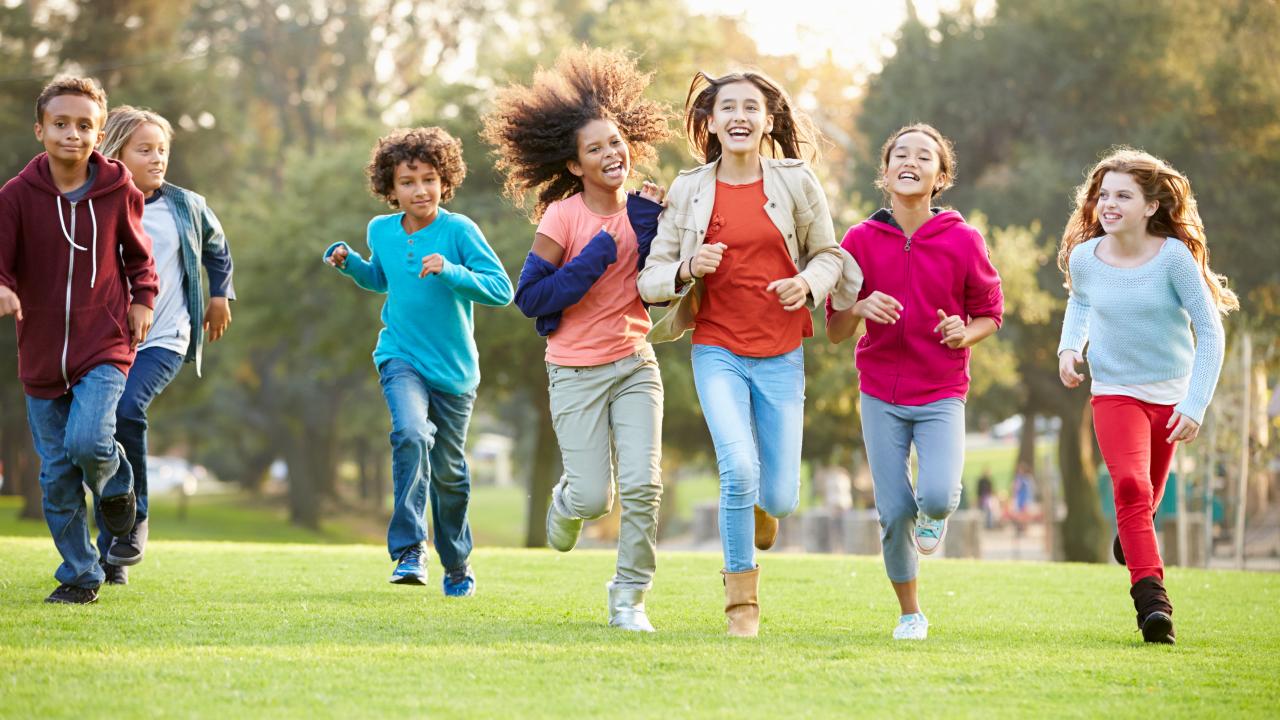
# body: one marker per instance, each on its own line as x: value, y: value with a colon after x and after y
x: 1083, y: 532
x: 304, y: 494
x: 543, y: 476
x: 1027, y: 439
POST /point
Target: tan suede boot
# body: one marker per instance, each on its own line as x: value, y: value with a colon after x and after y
x: 766, y: 529
x: 741, y: 606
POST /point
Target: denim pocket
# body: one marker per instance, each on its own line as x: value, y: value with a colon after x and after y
x: 795, y: 358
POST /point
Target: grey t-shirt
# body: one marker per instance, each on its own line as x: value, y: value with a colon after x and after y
x: 171, y: 326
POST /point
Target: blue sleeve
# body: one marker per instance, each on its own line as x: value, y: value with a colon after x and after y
x: 545, y: 290
x: 1197, y: 300
x: 367, y: 274
x: 215, y: 255
x: 643, y: 214
x: 1075, y: 324
x: 479, y: 277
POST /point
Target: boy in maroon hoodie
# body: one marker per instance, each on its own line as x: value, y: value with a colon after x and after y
x: 77, y: 274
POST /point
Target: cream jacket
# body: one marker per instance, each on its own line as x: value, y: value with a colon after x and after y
x: 798, y: 208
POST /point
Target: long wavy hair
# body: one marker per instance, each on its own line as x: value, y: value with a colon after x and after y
x: 534, y: 128
x: 1176, y: 214
x: 793, y: 136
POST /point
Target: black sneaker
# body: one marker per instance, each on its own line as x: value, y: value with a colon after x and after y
x: 119, y: 513
x: 127, y: 549
x: 72, y: 595
x: 1116, y: 551
x: 116, y: 574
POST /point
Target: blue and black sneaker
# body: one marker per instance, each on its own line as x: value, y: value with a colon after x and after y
x: 409, y: 569
x: 460, y: 582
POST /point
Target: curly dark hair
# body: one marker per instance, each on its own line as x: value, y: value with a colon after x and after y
x: 71, y: 85
x: 534, y: 128
x: 430, y: 145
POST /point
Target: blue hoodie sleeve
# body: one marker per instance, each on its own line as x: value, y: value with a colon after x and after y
x: 643, y: 214
x: 215, y: 255
x: 544, y: 290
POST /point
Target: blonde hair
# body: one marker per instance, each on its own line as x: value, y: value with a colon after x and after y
x: 1176, y: 214
x: 122, y: 121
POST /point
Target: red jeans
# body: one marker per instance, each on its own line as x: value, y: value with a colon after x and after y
x: 1131, y: 434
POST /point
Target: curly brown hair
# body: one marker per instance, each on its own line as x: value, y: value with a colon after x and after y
x: 430, y: 145
x: 534, y: 128
x: 71, y: 85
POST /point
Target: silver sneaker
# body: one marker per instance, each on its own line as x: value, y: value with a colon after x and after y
x: 562, y: 530
x: 626, y: 609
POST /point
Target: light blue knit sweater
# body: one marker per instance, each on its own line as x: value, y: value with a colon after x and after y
x: 1138, y: 322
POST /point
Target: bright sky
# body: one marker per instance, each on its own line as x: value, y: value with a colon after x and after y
x: 856, y: 32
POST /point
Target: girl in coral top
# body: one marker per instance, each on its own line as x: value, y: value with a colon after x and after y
x: 930, y: 293
x: 570, y: 137
x: 745, y: 247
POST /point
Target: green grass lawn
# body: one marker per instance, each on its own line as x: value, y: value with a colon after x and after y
x: 284, y: 630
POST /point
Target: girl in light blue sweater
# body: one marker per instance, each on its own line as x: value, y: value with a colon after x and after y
x: 1137, y: 265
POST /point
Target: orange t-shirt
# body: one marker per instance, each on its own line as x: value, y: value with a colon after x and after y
x: 737, y: 312
x: 609, y: 322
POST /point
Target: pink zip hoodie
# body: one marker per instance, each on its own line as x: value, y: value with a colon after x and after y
x: 946, y: 266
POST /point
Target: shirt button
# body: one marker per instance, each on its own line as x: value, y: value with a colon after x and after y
x: 773, y: 204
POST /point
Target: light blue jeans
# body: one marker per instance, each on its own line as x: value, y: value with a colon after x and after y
x: 75, y: 438
x: 937, y: 429
x: 754, y: 408
x: 428, y: 439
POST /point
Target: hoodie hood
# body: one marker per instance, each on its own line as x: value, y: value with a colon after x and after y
x: 112, y: 174
x: 942, y: 221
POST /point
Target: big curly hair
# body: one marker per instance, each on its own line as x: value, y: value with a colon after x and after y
x: 430, y: 145
x: 534, y: 128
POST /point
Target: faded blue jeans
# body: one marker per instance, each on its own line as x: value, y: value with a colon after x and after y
x: 754, y: 408
x: 428, y: 440
x: 75, y: 438
x: 937, y: 430
x: 153, y: 369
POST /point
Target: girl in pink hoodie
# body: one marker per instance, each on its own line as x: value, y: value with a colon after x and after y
x: 929, y: 293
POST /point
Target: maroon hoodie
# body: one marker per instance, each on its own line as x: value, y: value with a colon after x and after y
x: 76, y: 269
x: 943, y: 266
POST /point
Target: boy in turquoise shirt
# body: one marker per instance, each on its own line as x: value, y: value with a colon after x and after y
x: 433, y: 265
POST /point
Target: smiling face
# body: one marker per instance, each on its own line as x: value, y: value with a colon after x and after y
x: 604, y: 160
x: 740, y: 118
x: 913, y: 167
x: 146, y: 154
x: 1122, y: 208
x: 417, y: 187
x: 70, y: 128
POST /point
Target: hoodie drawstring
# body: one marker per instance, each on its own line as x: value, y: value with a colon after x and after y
x: 62, y: 223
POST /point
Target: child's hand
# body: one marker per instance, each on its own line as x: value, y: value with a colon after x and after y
x: 952, y: 328
x: 879, y: 307
x: 139, y: 324
x: 1184, y: 428
x: 706, y: 259
x: 791, y: 291
x: 1067, y: 361
x: 217, y: 316
x: 9, y: 303
x: 432, y: 264
x: 338, y: 258
x: 653, y: 191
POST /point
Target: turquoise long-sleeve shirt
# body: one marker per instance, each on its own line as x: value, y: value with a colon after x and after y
x: 427, y: 322
x: 1138, y: 322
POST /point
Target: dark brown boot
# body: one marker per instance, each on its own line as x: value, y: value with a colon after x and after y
x: 1155, y: 612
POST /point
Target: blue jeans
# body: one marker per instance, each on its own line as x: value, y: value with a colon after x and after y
x: 937, y: 429
x: 153, y: 369
x: 74, y: 437
x: 754, y: 408
x: 428, y: 439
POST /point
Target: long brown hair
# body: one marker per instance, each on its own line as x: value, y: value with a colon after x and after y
x: 1176, y: 214
x: 792, y: 129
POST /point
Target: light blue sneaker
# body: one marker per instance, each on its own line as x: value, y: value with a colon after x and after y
x: 409, y: 569
x: 912, y: 627
x: 460, y: 582
x: 929, y: 533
